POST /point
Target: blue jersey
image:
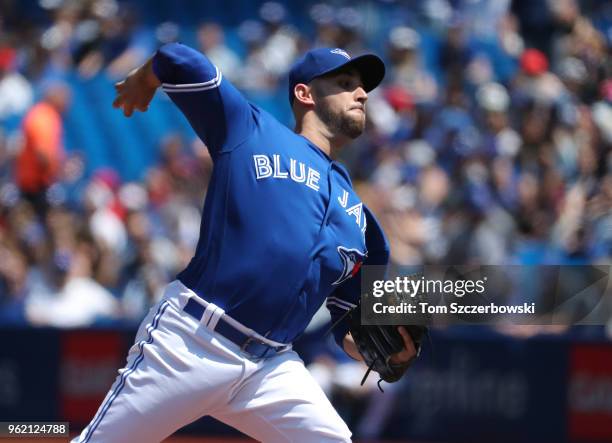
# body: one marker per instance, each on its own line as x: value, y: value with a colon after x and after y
x: 282, y: 229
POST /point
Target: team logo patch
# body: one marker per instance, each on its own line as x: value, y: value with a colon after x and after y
x: 341, y: 52
x: 352, y: 259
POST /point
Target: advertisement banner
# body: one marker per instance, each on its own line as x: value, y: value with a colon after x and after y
x: 482, y: 389
x: 590, y: 393
x: 89, y: 364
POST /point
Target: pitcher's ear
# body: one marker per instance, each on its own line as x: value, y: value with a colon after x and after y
x: 302, y: 93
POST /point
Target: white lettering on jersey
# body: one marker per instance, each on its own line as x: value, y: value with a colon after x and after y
x: 344, y: 200
x: 277, y: 171
x: 262, y: 166
x: 365, y: 225
x: 313, y: 179
x: 356, y: 211
x: 302, y: 177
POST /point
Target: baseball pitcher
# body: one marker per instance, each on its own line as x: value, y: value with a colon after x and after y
x: 282, y: 233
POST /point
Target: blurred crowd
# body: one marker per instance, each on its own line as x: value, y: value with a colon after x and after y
x: 488, y: 143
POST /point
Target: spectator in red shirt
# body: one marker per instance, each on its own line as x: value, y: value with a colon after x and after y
x: 39, y: 161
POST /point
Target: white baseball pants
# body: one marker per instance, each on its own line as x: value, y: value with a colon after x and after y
x: 178, y: 371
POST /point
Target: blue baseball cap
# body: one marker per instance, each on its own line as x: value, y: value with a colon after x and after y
x: 321, y: 61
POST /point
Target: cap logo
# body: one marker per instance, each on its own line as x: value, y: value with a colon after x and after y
x: 341, y: 52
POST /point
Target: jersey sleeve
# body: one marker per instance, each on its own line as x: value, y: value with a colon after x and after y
x: 347, y: 295
x: 216, y: 110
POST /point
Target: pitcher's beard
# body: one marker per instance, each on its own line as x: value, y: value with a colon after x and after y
x: 342, y: 123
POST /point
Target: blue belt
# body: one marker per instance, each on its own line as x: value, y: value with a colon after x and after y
x: 255, y: 348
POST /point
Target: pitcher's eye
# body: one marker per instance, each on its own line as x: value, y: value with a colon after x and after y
x: 344, y: 83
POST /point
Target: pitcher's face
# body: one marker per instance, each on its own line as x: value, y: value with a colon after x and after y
x: 340, y: 102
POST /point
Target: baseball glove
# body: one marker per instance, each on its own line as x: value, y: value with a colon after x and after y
x: 377, y: 343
